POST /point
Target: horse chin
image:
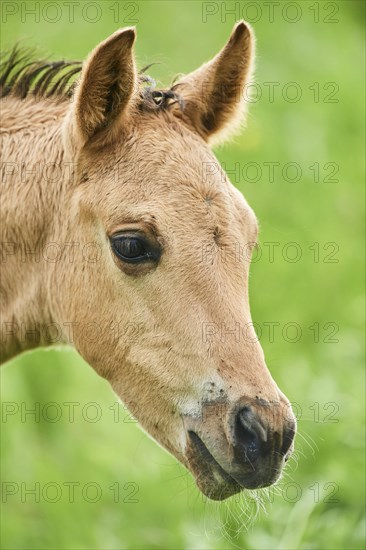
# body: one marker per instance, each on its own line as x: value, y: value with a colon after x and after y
x: 216, y: 484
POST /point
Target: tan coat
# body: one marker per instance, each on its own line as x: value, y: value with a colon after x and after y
x: 116, y: 167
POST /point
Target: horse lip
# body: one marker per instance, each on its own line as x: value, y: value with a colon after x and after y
x: 213, y: 489
x: 207, y: 456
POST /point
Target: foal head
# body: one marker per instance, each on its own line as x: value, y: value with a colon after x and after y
x: 169, y: 290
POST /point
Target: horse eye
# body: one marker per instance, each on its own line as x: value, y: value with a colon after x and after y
x: 133, y: 249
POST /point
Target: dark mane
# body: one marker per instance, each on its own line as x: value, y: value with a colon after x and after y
x: 21, y: 76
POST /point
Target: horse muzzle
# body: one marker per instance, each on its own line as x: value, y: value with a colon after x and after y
x: 245, y: 446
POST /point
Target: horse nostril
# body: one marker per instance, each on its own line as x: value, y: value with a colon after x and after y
x: 249, y: 433
x: 288, y: 437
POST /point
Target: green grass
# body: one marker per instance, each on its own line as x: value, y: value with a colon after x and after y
x: 319, y: 503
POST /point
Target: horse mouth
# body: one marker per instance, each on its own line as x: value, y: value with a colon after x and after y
x: 211, y: 478
x: 217, y: 483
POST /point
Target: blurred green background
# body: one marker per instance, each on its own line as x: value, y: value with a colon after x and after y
x: 317, y: 202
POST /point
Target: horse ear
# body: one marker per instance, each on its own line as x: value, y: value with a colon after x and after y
x: 213, y: 94
x: 108, y: 81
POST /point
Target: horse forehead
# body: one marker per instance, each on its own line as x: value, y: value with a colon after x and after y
x: 168, y: 166
x: 168, y: 145
x: 181, y: 164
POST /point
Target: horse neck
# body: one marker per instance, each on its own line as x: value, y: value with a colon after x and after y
x: 32, y: 192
